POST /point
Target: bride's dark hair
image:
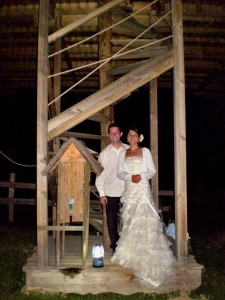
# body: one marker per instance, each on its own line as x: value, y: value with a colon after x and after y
x: 133, y: 128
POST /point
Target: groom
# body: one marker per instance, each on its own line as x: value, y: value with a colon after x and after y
x: 109, y: 186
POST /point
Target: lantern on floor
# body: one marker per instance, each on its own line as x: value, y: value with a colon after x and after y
x: 98, y: 255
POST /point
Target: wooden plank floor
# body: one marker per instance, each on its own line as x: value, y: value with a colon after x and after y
x: 71, y: 277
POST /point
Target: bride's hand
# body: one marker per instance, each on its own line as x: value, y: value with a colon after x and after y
x: 136, y: 178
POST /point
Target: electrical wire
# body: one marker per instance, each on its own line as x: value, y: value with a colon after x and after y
x: 16, y: 163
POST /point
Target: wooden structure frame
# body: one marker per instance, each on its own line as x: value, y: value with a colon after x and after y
x: 188, y: 273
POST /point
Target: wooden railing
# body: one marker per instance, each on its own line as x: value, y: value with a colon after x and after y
x: 11, y: 200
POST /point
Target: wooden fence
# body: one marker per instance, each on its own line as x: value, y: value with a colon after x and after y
x: 11, y: 200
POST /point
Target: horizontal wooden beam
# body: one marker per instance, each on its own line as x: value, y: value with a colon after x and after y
x: 61, y: 228
x: 128, y: 68
x: 20, y: 201
x: 166, y: 193
x: 136, y: 43
x: 18, y: 185
x: 95, y: 13
x: 204, y: 19
x: 82, y: 135
x: 148, y: 52
x: 99, y: 117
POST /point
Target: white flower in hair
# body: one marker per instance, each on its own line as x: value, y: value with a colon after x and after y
x: 141, y: 138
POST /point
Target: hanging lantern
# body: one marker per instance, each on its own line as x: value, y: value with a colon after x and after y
x: 97, y: 256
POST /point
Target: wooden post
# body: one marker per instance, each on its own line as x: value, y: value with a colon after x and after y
x: 11, y: 197
x: 105, y: 78
x: 57, y: 69
x: 179, y: 135
x: 86, y: 212
x: 56, y: 93
x: 42, y: 119
x: 154, y: 137
x: 57, y: 63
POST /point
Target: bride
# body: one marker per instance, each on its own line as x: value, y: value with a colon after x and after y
x: 142, y: 246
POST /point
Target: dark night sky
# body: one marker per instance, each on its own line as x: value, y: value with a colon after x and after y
x: 205, y: 143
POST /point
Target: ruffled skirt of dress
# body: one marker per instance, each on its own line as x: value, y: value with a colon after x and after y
x: 143, y: 246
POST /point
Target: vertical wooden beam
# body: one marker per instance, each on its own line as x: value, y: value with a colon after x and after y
x: 56, y: 93
x: 42, y: 119
x: 58, y: 233
x: 86, y: 212
x: 104, y: 21
x: 179, y: 134
x: 11, y: 198
x: 105, y: 78
x: 57, y: 62
x: 68, y: 61
x: 154, y: 137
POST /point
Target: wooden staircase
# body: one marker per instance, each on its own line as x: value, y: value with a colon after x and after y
x: 110, y: 94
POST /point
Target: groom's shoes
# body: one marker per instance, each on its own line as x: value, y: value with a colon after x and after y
x: 113, y: 250
x: 113, y: 247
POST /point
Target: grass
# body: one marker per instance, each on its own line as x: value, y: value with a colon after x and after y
x: 16, y: 244
x: 209, y: 250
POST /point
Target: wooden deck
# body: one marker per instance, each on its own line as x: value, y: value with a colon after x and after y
x: 70, y: 277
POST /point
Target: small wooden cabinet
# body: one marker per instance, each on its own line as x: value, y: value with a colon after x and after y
x: 73, y: 184
x: 72, y: 166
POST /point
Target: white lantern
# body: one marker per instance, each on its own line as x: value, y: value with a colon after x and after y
x: 97, y: 255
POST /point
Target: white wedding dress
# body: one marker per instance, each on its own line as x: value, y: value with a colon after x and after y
x: 142, y: 246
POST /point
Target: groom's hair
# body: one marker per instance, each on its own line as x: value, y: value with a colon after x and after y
x: 114, y: 125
